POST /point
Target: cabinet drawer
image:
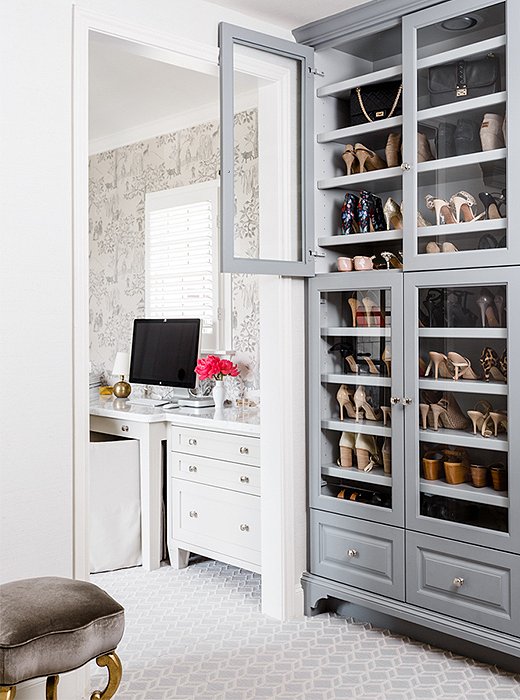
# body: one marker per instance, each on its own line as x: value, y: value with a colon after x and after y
x: 465, y: 581
x: 208, y: 443
x: 359, y: 553
x: 217, y: 519
x: 215, y: 472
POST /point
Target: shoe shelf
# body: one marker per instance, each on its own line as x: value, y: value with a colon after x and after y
x: 466, y: 492
x: 462, y: 52
x: 461, y: 161
x: 376, y: 476
x: 483, y: 104
x: 452, y: 333
x: 465, y: 386
x: 357, y: 332
x: 342, y: 88
x: 468, y: 227
x: 357, y: 238
x: 470, y: 170
x: 358, y: 379
x: 385, y: 180
x: 367, y: 427
x: 463, y: 438
x: 349, y: 134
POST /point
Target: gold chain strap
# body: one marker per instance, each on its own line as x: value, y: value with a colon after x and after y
x: 390, y: 114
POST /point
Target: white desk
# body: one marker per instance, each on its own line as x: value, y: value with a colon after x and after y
x: 150, y: 426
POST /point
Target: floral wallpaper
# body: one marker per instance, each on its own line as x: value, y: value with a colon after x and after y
x: 118, y: 182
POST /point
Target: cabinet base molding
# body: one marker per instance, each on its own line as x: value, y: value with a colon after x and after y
x: 480, y: 643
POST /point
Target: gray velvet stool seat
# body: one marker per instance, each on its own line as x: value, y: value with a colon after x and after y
x: 50, y: 625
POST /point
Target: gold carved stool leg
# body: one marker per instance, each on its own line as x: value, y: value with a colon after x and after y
x: 115, y: 671
x: 7, y: 692
x: 51, y: 688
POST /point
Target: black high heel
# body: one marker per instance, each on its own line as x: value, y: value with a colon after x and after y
x: 435, y: 308
x: 492, y: 205
x: 459, y: 316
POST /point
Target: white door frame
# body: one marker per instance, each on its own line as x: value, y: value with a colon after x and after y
x: 282, y: 337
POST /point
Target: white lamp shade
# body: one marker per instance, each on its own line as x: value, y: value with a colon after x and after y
x: 121, y: 364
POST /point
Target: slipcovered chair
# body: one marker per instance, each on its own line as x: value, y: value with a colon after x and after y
x: 50, y: 626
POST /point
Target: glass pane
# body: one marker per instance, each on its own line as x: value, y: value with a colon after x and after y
x: 463, y: 393
x: 356, y: 367
x: 462, y: 133
x: 267, y: 156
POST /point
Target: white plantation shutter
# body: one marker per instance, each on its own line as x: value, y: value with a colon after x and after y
x: 182, y: 279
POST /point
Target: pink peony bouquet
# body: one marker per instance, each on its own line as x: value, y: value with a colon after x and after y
x: 212, y: 367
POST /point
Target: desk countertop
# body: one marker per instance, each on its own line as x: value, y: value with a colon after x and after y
x: 243, y: 420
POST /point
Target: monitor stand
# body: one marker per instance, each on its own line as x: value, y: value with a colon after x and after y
x: 184, y: 398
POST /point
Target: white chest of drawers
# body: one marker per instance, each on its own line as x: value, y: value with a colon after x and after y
x: 214, y: 495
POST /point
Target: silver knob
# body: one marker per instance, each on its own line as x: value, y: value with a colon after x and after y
x: 244, y: 451
x: 394, y: 400
x: 458, y: 582
x: 244, y: 479
x: 192, y: 441
x: 352, y: 553
x: 244, y: 527
x: 194, y: 514
x: 407, y: 401
x: 405, y: 166
x: 192, y: 468
x: 124, y: 428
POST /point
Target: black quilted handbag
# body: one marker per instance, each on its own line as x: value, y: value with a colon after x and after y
x: 463, y: 80
x: 374, y: 102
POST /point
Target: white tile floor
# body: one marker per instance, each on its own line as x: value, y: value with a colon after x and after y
x: 199, y: 633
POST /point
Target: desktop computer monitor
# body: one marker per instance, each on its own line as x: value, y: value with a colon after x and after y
x: 165, y: 352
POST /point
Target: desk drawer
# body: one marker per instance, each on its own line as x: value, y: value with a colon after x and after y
x: 216, y: 519
x: 359, y: 553
x: 209, y: 443
x: 215, y: 472
x: 465, y: 581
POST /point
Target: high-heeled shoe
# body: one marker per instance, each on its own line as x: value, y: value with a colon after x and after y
x: 447, y: 412
x: 374, y: 315
x: 392, y: 260
x: 347, y: 444
x: 485, y: 302
x: 446, y: 247
x: 466, y: 137
x: 462, y: 365
x: 345, y: 402
x: 363, y: 262
x: 370, y: 362
x: 351, y: 363
x: 387, y: 414
x: 443, y: 213
x: 457, y: 313
x: 349, y: 214
x: 370, y: 213
x: 424, y: 410
x: 491, y: 206
x: 362, y: 405
x: 492, y: 365
x: 387, y: 455
x: 393, y: 150
x: 387, y: 359
x: 479, y: 415
x: 491, y: 132
x: 359, y: 316
x: 464, y: 203
x: 499, y: 419
x: 393, y: 215
x: 368, y: 455
x: 499, y: 306
x: 368, y: 159
x: 424, y: 152
x: 502, y: 363
x: 439, y: 362
x: 350, y: 159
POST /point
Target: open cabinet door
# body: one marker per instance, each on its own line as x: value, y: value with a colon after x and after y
x: 266, y: 103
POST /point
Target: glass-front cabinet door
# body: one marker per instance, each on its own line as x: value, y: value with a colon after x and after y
x: 355, y: 356
x: 456, y: 138
x: 462, y: 482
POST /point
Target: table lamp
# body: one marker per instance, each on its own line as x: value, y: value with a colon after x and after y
x: 122, y: 389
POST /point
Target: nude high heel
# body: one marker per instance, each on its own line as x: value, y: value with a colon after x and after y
x: 499, y: 419
x: 393, y: 215
x: 387, y: 414
x: 443, y: 213
x: 368, y: 160
x: 462, y: 366
x: 424, y: 152
x: 367, y: 452
x: 487, y: 312
x: 350, y: 159
x: 387, y: 456
x: 439, y: 361
x: 352, y: 364
x: 362, y: 405
x: 374, y: 315
x: 344, y: 401
x: 424, y: 408
x: 479, y: 415
x: 437, y: 412
x: 358, y: 316
x: 387, y: 359
x: 346, y: 449
x: 370, y: 362
x: 464, y: 203
x: 392, y: 150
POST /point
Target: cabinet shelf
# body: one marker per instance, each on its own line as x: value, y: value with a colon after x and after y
x: 367, y: 427
x: 357, y: 238
x: 456, y: 229
x: 443, y: 164
x: 358, y: 379
x: 349, y: 134
x: 342, y: 88
x: 479, y: 47
x: 465, y: 386
x: 376, y: 476
x: 477, y: 103
x: 384, y: 180
x: 470, y: 333
x: 462, y: 438
x: 466, y: 492
x: 357, y: 332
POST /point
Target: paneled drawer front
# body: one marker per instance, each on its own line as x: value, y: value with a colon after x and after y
x: 359, y: 553
x: 208, y: 443
x: 465, y: 581
x: 214, y: 472
x: 216, y: 519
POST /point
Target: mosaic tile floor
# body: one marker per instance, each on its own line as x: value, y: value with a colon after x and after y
x: 199, y: 633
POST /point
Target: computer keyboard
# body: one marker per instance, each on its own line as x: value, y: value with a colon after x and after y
x: 148, y: 402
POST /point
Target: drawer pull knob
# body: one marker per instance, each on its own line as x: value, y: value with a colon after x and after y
x: 244, y: 527
x: 244, y: 450
x: 244, y: 479
x: 352, y: 553
x: 192, y: 468
x: 192, y: 441
x: 405, y: 167
x: 458, y: 582
x: 124, y: 428
x: 194, y: 514
x: 394, y: 400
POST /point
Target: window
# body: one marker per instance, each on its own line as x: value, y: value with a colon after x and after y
x: 181, y: 268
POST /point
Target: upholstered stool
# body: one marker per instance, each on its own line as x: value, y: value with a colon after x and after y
x: 53, y: 625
